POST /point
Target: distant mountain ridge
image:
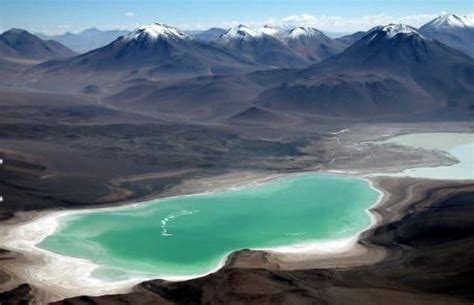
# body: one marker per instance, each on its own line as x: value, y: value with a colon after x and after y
x: 150, y: 52
x: 389, y: 70
x: 86, y: 40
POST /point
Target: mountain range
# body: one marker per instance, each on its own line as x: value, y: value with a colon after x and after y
x: 155, y: 51
x: 392, y: 69
x: 271, y: 72
x: 160, y: 51
x: 449, y: 29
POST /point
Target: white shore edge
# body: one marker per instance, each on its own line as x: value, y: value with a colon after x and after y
x: 335, y: 246
x: 44, y: 266
x: 76, y: 274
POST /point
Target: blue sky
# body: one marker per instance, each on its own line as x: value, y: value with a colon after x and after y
x: 56, y: 16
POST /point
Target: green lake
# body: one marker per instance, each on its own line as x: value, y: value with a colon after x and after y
x: 191, y: 235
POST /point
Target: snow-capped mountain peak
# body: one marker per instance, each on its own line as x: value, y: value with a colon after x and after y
x: 450, y: 21
x: 392, y: 30
x: 246, y: 33
x: 155, y: 31
x: 303, y: 31
x: 241, y: 32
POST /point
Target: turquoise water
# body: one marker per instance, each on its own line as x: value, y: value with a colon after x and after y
x: 190, y: 235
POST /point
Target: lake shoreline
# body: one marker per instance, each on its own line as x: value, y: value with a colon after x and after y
x: 345, y: 256
x: 38, y: 225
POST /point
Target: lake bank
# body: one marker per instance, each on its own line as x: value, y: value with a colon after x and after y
x: 70, y: 282
x: 299, y: 260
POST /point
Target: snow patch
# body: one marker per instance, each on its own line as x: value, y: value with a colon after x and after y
x: 392, y: 30
x: 240, y: 32
x: 243, y: 32
x: 155, y: 31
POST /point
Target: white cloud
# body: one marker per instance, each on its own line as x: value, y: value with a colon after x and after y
x: 130, y: 14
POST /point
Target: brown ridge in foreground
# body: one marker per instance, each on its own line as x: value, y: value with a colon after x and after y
x: 427, y: 228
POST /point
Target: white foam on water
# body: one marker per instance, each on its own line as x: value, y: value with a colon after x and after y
x: 172, y: 216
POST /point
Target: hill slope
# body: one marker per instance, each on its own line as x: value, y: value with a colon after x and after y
x: 20, y: 44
